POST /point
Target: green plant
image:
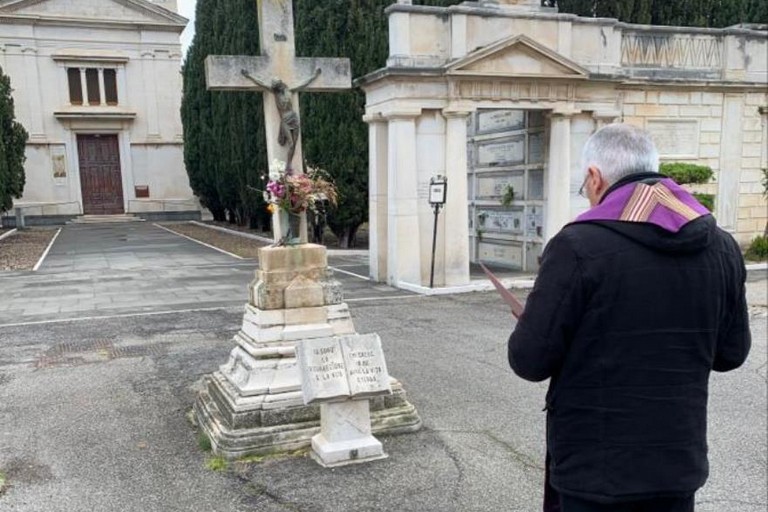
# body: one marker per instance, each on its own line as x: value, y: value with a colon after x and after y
x: 758, y: 249
x: 684, y: 174
x: 203, y: 441
x: 2, y: 483
x: 508, y: 196
x: 707, y: 200
x: 216, y: 463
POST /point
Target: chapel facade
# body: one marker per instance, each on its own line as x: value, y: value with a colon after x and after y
x: 500, y: 97
x: 97, y: 84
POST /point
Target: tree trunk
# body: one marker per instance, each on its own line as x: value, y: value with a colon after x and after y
x: 219, y: 215
x: 348, y: 237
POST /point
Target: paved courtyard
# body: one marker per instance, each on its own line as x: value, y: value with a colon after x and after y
x: 101, y: 349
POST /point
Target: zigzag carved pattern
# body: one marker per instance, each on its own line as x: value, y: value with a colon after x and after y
x: 671, y: 51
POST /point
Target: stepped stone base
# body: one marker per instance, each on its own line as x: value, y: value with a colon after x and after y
x: 253, y: 405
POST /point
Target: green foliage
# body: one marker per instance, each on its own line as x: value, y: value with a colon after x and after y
x: 203, y: 441
x: 217, y: 464
x: 707, y: 200
x: 697, y: 13
x: 335, y: 138
x: 224, y: 135
x: 758, y: 249
x: 684, y: 174
x: 764, y: 182
x: 508, y: 196
x: 13, y: 139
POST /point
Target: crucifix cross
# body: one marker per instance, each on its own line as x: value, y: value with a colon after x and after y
x: 280, y: 75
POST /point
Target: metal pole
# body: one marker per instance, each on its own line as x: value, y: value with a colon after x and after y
x: 434, y: 246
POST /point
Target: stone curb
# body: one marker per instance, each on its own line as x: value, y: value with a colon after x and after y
x: 6, y: 235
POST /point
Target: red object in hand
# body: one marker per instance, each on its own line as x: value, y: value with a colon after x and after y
x: 509, y: 298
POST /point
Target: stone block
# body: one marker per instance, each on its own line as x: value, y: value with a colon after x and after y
x: 694, y: 111
x: 657, y: 110
x: 333, y: 293
x: 306, y: 256
x: 264, y: 317
x: 695, y: 98
x: 673, y: 98
x: 756, y: 98
x: 309, y: 331
x: 262, y: 334
x: 298, y: 316
x: 750, y: 163
x: 712, y: 98
x: 268, y: 297
x: 711, y: 125
x: 716, y: 111
x: 752, y: 150
x: 303, y: 293
x: 709, y: 150
x: 651, y: 97
x: 709, y: 138
x: 631, y: 97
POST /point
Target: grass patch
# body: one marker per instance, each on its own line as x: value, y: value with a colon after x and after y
x: 204, y: 442
x: 758, y: 249
x: 2, y: 483
x: 256, y: 459
x: 217, y: 464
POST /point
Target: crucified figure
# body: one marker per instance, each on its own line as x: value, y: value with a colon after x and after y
x: 290, y: 128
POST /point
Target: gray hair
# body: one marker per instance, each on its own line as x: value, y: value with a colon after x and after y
x: 619, y: 150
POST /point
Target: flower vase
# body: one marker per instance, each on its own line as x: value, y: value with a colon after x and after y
x: 290, y: 226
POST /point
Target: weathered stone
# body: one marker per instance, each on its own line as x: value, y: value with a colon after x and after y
x: 303, y: 293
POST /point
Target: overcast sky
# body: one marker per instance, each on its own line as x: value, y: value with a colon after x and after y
x: 187, y: 9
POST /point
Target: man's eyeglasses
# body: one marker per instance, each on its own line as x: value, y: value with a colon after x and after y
x: 581, y: 188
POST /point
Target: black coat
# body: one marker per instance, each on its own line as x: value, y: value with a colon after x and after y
x: 628, y: 320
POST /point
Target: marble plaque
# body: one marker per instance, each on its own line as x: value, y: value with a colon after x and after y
x: 491, y: 121
x: 59, y: 161
x: 494, y: 187
x: 509, y: 151
x: 323, y: 375
x: 366, y: 368
x: 343, y: 367
x: 511, y: 255
x: 535, y: 148
x: 534, y: 221
x: 510, y: 222
x: 675, y: 138
x: 535, y: 185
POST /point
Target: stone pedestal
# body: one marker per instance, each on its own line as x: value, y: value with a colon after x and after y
x: 345, y: 435
x: 253, y: 404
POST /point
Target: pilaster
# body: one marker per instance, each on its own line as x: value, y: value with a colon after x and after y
x: 557, y: 175
x: 377, y: 197
x: 456, y: 212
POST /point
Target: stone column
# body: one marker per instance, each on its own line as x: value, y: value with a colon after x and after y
x: 102, y: 97
x: 456, y: 212
x: 377, y: 197
x: 729, y: 179
x: 403, y: 244
x: 557, y: 175
x: 84, y: 87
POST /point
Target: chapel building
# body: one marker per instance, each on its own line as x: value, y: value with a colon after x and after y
x: 500, y: 97
x: 97, y: 84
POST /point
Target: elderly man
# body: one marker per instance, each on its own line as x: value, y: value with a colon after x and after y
x: 636, y: 302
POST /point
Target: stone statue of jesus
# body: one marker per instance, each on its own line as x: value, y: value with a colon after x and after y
x: 290, y: 127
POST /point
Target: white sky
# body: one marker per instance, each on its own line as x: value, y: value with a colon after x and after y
x: 187, y: 9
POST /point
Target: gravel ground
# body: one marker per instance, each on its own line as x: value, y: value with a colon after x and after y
x: 243, y: 247
x: 21, y: 250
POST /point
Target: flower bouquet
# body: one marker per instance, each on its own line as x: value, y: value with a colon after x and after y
x: 292, y: 193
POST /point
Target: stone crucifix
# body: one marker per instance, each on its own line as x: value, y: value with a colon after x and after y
x: 280, y: 75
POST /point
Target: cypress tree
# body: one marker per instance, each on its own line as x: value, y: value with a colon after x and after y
x: 13, y: 139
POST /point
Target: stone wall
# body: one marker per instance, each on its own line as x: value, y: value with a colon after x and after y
x: 692, y: 126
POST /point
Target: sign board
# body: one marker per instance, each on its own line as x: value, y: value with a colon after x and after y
x: 438, y: 188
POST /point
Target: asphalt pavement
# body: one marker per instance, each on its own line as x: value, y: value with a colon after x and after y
x: 101, y: 351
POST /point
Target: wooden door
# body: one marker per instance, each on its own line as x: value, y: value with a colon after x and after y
x: 100, y: 176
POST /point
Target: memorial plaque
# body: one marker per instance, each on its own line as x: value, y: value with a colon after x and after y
x: 323, y: 377
x: 536, y: 185
x: 535, y: 148
x: 505, y: 254
x: 509, y: 151
x: 366, y: 368
x: 510, y: 222
x: 675, y: 138
x: 492, y: 121
x: 494, y: 187
x: 342, y: 368
x: 534, y: 221
x: 59, y: 161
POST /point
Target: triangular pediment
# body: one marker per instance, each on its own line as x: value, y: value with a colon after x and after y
x: 120, y: 11
x: 517, y: 56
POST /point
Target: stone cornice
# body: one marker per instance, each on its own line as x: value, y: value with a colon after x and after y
x: 86, y: 23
